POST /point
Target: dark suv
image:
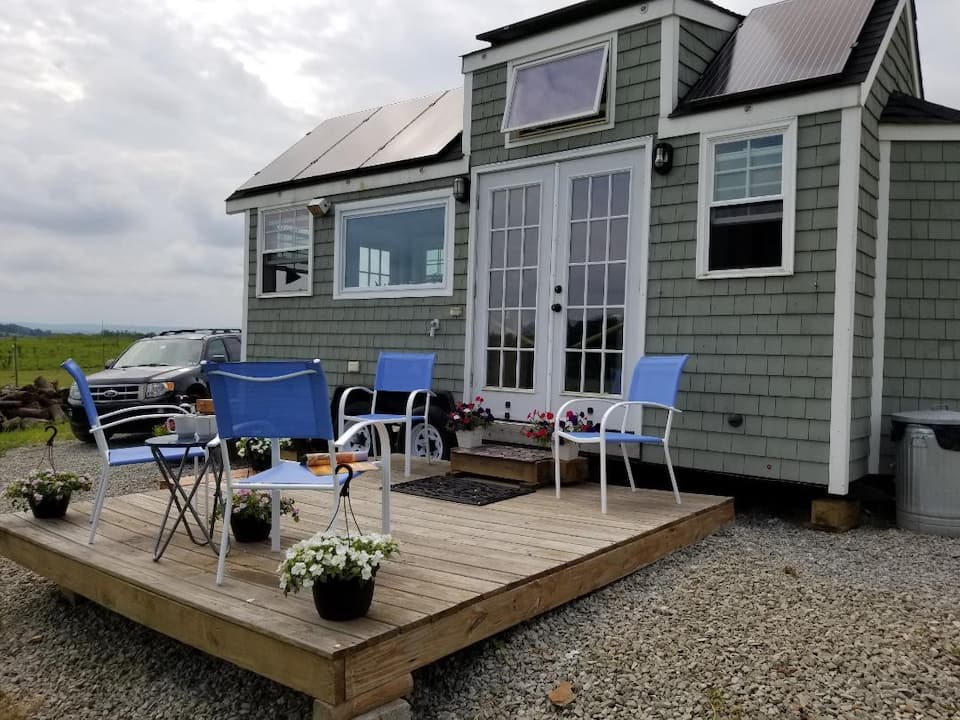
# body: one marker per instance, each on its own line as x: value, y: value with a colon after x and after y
x: 162, y: 369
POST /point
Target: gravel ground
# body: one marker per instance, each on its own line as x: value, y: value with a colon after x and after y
x: 763, y: 619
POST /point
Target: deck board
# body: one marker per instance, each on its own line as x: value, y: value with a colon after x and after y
x: 462, y: 574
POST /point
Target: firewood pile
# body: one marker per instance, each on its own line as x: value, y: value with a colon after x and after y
x: 36, y: 404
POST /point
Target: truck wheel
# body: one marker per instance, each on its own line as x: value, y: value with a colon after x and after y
x: 82, y: 433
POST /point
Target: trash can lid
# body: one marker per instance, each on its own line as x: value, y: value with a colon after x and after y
x: 929, y: 417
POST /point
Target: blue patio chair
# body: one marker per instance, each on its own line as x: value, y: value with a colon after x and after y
x: 656, y: 380
x: 404, y: 373
x: 275, y: 400
x: 117, y: 457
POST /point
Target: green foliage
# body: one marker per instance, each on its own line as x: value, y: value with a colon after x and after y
x: 42, y: 355
x: 28, y: 437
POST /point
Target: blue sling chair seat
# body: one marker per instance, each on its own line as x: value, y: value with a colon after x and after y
x: 275, y: 400
x: 655, y: 383
x: 117, y: 457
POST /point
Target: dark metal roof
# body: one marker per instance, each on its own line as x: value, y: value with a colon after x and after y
x: 907, y: 110
x: 855, y: 70
x: 568, y: 16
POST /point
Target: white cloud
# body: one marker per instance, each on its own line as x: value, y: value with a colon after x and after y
x: 125, y: 126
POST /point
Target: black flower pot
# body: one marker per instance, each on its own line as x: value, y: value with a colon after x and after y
x: 49, y: 506
x: 249, y: 529
x: 343, y: 599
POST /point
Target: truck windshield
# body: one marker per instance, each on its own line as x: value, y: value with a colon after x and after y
x: 162, y: 351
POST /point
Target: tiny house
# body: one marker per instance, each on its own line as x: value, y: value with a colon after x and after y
x: 770, y: 194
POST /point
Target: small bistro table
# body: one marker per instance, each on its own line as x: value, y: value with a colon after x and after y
x: 172, y: 472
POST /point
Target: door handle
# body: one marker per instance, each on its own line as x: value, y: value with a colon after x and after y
x: 556, y: 307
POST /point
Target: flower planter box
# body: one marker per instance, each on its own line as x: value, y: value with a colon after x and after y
x: 470, y: 438
x: 530, y: 467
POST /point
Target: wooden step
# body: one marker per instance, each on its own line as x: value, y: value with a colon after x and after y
x: 530, y: 467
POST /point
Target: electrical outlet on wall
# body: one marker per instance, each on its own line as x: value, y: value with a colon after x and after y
x: 353, y: 366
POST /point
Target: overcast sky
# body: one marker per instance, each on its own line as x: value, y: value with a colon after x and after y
x: 124, y: 126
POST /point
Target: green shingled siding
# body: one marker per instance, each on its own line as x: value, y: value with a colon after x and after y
x: 895, y: 74
x: 922, y: 352
x: 698, y: 45
x: 635, y: 114
x: 761, y: 347
x: 337, y: 331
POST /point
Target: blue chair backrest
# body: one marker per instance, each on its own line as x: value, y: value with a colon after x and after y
x: 404, y: 372
x: 656, y: 378
x: 270, y: 399
x: 81, y: 380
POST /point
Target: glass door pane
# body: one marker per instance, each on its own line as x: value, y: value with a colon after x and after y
x: 596, y: 283
x: 513, y: 282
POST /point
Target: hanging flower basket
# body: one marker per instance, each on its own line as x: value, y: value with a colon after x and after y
x: 251, y: 512
x: 247, y: 529
x: 49, y: 507
x: 343, y: 599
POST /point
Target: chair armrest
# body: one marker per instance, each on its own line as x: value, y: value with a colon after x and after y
x: 628, y: 404
x: 174, y: 409
x: 411, y: 398
x: 343, y: 401
x: 134, y: 418
x: 568, y: 403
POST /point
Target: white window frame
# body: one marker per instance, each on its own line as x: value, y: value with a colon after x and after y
x: 386, y: 205
x: 576, y: 126
x: 788, y: 194
x: 261, y: 250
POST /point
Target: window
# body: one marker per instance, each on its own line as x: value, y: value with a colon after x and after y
x: 285, y: 252
x: 560, y: 94
x: 747, y: 184
x: 217, y: 347
x: 395, y: 247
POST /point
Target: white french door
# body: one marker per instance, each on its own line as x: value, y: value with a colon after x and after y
x: 559, y: 283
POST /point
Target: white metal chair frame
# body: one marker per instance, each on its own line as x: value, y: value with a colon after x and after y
x: 601, y: 438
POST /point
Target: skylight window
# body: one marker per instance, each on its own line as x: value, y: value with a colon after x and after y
x: 557, y: 89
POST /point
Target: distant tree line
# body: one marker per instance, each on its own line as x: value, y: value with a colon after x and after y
x: 12, y: 329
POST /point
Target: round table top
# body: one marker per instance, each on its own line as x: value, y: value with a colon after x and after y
x: 173, y: 440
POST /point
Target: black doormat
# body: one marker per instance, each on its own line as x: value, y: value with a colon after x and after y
x: 464, y: 490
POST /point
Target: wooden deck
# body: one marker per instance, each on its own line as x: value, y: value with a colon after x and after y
x: 463, y: 574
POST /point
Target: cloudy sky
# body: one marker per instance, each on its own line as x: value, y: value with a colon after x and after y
x: 124, y: 126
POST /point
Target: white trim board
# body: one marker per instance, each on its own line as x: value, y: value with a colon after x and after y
x: 844, y: 296
x: 304, y: 193
x: 669, y: 64
x: 867, y: 85
x: 880, y: 309
x: 637, y: 14
x: 245, y: 299
x: 760, y: 112
x: 945, y: 132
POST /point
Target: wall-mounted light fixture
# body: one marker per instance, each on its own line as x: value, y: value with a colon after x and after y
x: 663, y: 157
x: 461, y: 188
x: 319, y: 206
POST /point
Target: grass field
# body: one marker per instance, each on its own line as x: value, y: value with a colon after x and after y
x: 43, y: 355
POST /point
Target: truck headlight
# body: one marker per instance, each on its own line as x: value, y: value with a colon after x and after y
x: 74, y: 392
x: 153, y: 390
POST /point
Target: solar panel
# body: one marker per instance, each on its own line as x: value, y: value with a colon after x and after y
x: 784, y: 43
x: 409, y: 130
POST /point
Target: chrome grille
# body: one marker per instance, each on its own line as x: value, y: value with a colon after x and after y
x: 114, y: 393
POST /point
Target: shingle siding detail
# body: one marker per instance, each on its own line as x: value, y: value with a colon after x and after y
x: 761, y: 347
x: 699, y: 44
x: 895, y: 75
x: 922, y: 346
x: 635, y: 115
x: 336, y: 331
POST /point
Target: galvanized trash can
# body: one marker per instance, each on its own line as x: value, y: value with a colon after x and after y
x: 928, y: 471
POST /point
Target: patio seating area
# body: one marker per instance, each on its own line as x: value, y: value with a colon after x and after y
x: 463, y: 574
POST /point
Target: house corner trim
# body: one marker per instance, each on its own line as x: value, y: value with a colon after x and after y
x: 851, y: 128
x: 880, y: 308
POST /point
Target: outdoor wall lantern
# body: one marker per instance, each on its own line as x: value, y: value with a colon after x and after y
x: 461, y: 188
x: 663, y: 158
